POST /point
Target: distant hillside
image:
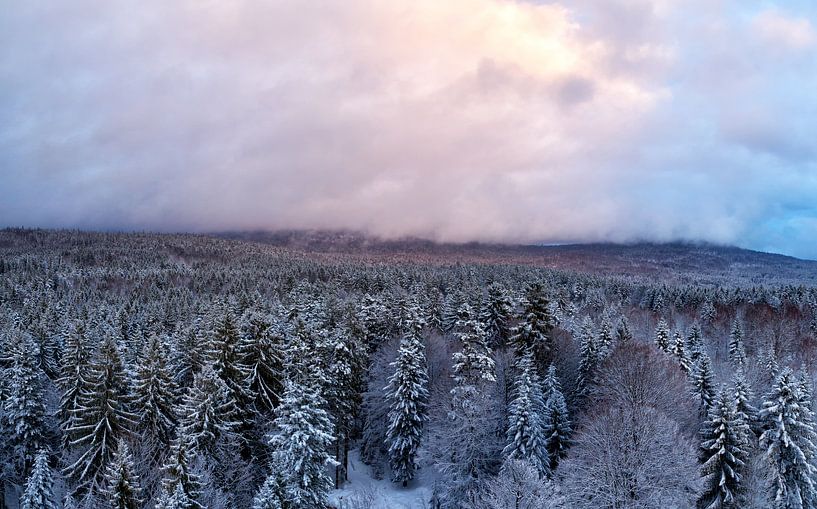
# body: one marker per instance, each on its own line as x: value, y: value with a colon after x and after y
x: 671, y: 261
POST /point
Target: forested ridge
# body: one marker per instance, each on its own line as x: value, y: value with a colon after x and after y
x: 184, y: 371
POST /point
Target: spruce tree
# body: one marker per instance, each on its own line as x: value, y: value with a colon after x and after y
x: 605, y: 337
x: 123, y: 490
x: 526, y: 439
x: 662, y: 336
x: 407, y: 394
x: 270, y: 494
x: 694, y: 343
x: 75, y: 375
x: 102, y: 418
x: 703, y: 383
x: 680, y: 352
x: 789, y: 439
x: 155, y: 392
x: 262, y: 342
x: 744, y: 411
x: 737, y: 352
x: 556, y: 424
x: 473, y: 362
x: 39, y: 488
x: 300, y: 441
x: 181, y: 485
x: 227, y: 363
x: 24, y: 412
x: 723, y: 455
x: 495, y: 313
x: 208, y: 414
x: 535, y: 329
x: 589, y: 357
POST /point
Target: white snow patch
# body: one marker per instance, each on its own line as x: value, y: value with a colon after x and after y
x: 363, y: 491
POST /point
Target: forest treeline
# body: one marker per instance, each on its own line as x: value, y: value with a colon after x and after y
x: 178, y: 371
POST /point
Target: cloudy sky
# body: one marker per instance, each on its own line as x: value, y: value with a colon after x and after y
x: 493, y: 120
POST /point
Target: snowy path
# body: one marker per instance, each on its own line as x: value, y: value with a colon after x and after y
x: 364, y: 492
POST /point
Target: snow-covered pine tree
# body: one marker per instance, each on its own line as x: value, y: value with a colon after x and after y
x: 737, y: 352
x: 408, y: 396
x: 181, y: 485
x: 589, y: 357
x: 39, y: 489
x: 262, y: 341
x: 703, y: 383
x: 662, y: 336
x: 227, y: 364
x: 270, y: 494
x: 694, y: 342
x: 75, y: 375
x: 723, y: 455
x: 535, y: 329
x: 300, y: 441
x: 473, y: 363
x: 122, y: 484
x: 495, y: 313
x: 605, y: 337
x: 155, y: 393
x: 101, y: 419
x: 466, y: 447
x: 789, y: 439
x: 208, y: 414
x: 23, y: 410
x: 451, y: 306
x: 555, y: 420
x: 680, y: 352
x: 526, y: 439
x: 744, y: 411
x: 343, y: 394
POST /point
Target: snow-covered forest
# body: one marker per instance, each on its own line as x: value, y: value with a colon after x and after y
x: 181, y: 371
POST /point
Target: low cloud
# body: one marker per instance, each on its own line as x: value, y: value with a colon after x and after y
x: 495, y: 120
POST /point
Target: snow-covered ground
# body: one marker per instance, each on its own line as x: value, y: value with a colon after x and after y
x: 365, y: 492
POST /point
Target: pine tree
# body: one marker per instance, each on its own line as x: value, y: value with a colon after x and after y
x: 680, y: 353
x: 535, y: 329
x: 694, y: 343
x: 39, y: 488
x: 737, y: 352
x: 408, y: 395
x: 208, y: 414
x: 269, y: 496
x: 300, y: 444
x: 123, y: 491
x: 261, y: 344
x: 451, y: 306
x: 75, y: 378
x: 703, y: 383
x: 181, y: 485
x: 24, y: 413
x: 723, y: 455
x: 589, y: 357
x: 496, y: 313
x: 789, y: 439
x: 526, y: 439
x: 155, y: 391
x: 227, y: 363
x: 101, y: 419
x: 605, y: 337
x: 556, y: 423
x: 474, y: 361
x: 662, y: 336
x: 744, y: 411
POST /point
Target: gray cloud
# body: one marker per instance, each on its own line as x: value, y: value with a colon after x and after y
x: 460, y: 120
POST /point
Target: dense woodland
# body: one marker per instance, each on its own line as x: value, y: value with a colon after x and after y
x: 181, y: 371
